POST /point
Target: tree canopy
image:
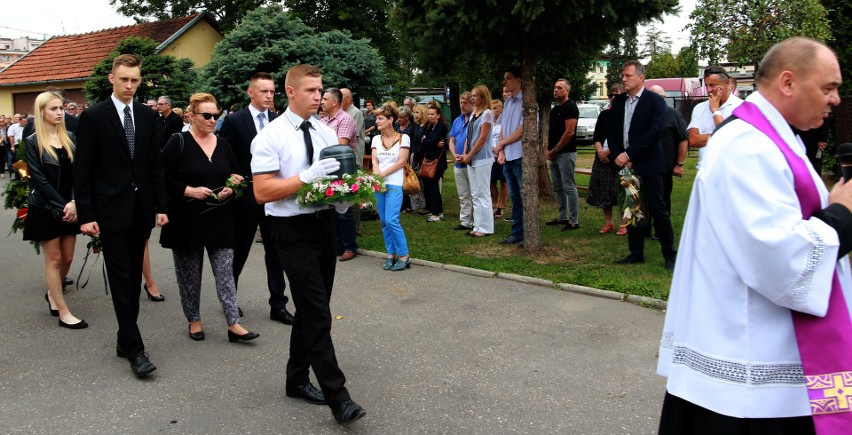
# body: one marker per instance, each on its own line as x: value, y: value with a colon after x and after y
x: 227, y: 12
x: 840, y: 17
x: 662, y: 65
x: 161, y: 74
x: 742, y: 32
x: 518, y: 32
x: 272, y: 40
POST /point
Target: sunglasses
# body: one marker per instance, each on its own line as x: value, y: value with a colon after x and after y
x: 207, y: 116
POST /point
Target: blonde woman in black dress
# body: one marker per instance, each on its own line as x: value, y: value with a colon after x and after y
x: 52, y: 214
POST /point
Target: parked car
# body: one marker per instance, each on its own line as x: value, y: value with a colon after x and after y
x: 586, y: 124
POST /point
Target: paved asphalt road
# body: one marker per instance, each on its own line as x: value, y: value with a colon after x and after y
x: 425, y: 351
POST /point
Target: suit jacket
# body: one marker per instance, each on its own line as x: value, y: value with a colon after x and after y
x: 107, y: 182
x: 238, y: 130
x: 649, y: 118
x: 168, y: 126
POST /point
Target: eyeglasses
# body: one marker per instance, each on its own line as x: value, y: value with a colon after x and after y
x: 207, y: 116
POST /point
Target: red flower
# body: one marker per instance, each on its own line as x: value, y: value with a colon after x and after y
x: 376, y: 187
x: 329, y: 192
x: 22, y: 213
x: 354, y: 188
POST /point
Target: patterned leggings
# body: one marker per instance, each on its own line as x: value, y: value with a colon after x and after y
x: 188, y: 271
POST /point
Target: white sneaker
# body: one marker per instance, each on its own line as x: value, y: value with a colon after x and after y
x: 433, y: 218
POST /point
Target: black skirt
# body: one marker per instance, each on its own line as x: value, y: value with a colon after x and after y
x: 41, y: 226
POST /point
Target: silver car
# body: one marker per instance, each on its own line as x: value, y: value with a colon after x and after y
x: 586, y: 124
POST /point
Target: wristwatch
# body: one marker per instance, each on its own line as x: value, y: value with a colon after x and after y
x: 718, y: 113
x: 680, y: 163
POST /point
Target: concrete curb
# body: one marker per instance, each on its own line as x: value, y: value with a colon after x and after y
x: 643, y: 301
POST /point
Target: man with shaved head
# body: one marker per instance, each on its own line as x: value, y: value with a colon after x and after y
x: 757, y: 333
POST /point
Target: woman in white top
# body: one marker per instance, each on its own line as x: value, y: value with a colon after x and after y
x: 500, y: 194
x: 390, y: 154
x: 478, y: 157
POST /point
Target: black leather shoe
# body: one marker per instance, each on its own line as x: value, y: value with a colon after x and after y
x: 248, y: 336
x: 347, y: 411
x: 556, y: 222
x: 141, y: 366
x: 67, y: 281
x: 670, y: 263
x: 307, y: 392
x: 282, y: 316
x: 571, y: 227
x: 511, y: 240
x: 197, y: 336
x: 461, y: 227
x: 630, y: 259
x: 54, y: 313
x: 79, y: 325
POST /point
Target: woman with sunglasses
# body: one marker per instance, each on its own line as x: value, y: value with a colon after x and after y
x: 201, y: 215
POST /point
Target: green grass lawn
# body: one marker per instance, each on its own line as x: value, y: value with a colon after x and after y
x: 581, y: 257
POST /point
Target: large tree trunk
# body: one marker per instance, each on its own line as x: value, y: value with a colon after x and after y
x: 545, y: 187
x: 529, y: 187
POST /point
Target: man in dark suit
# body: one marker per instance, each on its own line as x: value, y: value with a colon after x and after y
x: 239, y: 129
x: 169, y: 122
x: 120, y: 191
x: 637, y: 118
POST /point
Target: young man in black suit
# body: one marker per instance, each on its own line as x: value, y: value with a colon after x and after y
x: 239, y: 129
x: 640, y: 115
x: 120, y: 192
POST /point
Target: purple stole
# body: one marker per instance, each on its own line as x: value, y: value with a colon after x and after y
x: 825, y: 344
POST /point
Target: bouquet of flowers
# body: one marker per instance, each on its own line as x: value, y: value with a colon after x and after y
x: 93, y: 247
x: 15, y: 197
x: 631, y: 205
x: 354, y: 189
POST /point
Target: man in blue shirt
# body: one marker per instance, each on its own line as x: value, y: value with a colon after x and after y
x: 510, y: 150
x: 458, y: 139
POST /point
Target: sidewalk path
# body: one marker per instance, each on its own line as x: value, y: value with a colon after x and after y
x: 425, y: 351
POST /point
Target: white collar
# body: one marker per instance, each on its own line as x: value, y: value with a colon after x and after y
x: 254, y: 112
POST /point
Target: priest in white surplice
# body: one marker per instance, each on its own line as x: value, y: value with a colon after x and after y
x: 747, y: 259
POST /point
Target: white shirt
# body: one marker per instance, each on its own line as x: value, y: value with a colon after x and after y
x: 254, y: 112
x: 16, y: 132
x: 280, y: 149
x: 119, y: 107
x: 702, y: 118
x: 746, y: 259
x: 389, y: 157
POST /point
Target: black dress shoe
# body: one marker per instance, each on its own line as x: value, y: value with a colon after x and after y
x: 511, y: 240
x: 79, y: 325
x: 556, y: 222
x: 571, y: 227
x: 141, y: 366
x: 159, y: 298
x: 248, y: 336
x: 197, y: 336
x: 460, y: 227
x: 630, y: 259
x: 308, y: 392
x: 670, y: 264
x: 282, y: 316
x: 67, y: 281
x: 54, y: 313
x: 347, y: 411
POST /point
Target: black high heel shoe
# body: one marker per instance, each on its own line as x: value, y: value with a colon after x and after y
x: 197, y: 336
x: 248, y: 336
x: 54, y: 313
x: 151, y: 298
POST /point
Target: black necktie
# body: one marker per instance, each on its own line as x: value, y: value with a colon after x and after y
x: 128, y: 130
x: 309, y: 144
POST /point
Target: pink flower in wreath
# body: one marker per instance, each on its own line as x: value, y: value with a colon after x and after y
x: 329, y: 192
x: 337, y: 182
x: 354, y: 188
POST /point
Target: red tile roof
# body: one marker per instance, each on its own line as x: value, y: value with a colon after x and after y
x: 73, y: 57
